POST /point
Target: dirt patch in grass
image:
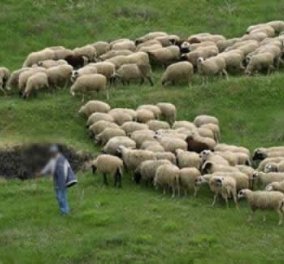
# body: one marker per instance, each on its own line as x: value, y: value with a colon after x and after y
x: 23, y: 161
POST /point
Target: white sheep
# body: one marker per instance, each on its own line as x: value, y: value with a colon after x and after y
x: 107, y: 134
x: 264, y: 200
x: 171, y: 143
x: 89, y: 83
x: 121, y: 115
x: 212, y: 66
x: 132, y: 158
x: 168, y: 112
x: 108, y: 164
x: 153, y: 108
x: 95, y: 117
x: 178, y: 72
x: 59, y: 76
x: 36, y: 82
x: 100, y: 126
x: 133, y: 72
x: 187, y: 178
x: 114, y: 143
x: 131, y: 126
x: 4, y: 77
x: 266, y: 178
x: 275, y: 186
x: 94, y: 106
x: 146, y: 171
x: 188, y: 159
x: 167, y: 175
x: 156, y: 125
x: 144, y: 115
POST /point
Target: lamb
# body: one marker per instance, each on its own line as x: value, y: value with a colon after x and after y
x: 89, y: 83
x: 225, y: 147
x: 205, y: 132
x: 36, y: 82
x: 107, y: 134
x: 187, y: 159
x: 100, y: 126
x: 144, y: 115
x: 108, y: 164
x: 178, y: 72
x: 264, y: 200
x: 266, y: 178
x: 114, y: 143
x: 187, y: 180
x: 59, y: 76
x: 155, y: 125
x: 249, y: 171
x: 275, y: 186
x: 171, y: 144
x: 133, y: 71
x: 205, y: 119
x: 168, y: 112
x: 34, y: 57
x: 212, y: 66
x: 95, y: 117
x: 259, y: 62
x: 120, y: 115
x: 4, y: 77
x: 94, y: 106
x: 131, y: 126
x: 132, y: 158
x: 167, y: 175
x: 153, y: 108
x: 149, y: 36
x: 146, y: 171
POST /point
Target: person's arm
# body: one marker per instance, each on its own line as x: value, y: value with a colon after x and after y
x: 48, y: 169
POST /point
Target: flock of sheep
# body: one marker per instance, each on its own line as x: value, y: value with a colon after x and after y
x: 181, y: 156
x: 176, y: 156
x: 94, y: 67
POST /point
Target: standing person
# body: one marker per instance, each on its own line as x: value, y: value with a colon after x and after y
x: 63, y: 177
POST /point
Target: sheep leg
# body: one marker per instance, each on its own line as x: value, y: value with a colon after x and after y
x: 83, y: 98
x: 225, y: 74
x: 214, y: 200
x: 118, y: 179
x: 174, y: 192
x: 105, y: 179
x: 280, y: 213
x: 227, y: 202
x: 150, y: 81
x: 195, y: 191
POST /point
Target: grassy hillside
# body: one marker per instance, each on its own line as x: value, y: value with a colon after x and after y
x: 135, y: 224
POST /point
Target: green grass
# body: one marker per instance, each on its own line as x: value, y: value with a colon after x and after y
x: 135, y: 224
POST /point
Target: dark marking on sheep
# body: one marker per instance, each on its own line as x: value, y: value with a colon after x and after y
x: 196, y: 146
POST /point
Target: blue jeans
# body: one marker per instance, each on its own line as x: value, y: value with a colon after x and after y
x: 61, y: 196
